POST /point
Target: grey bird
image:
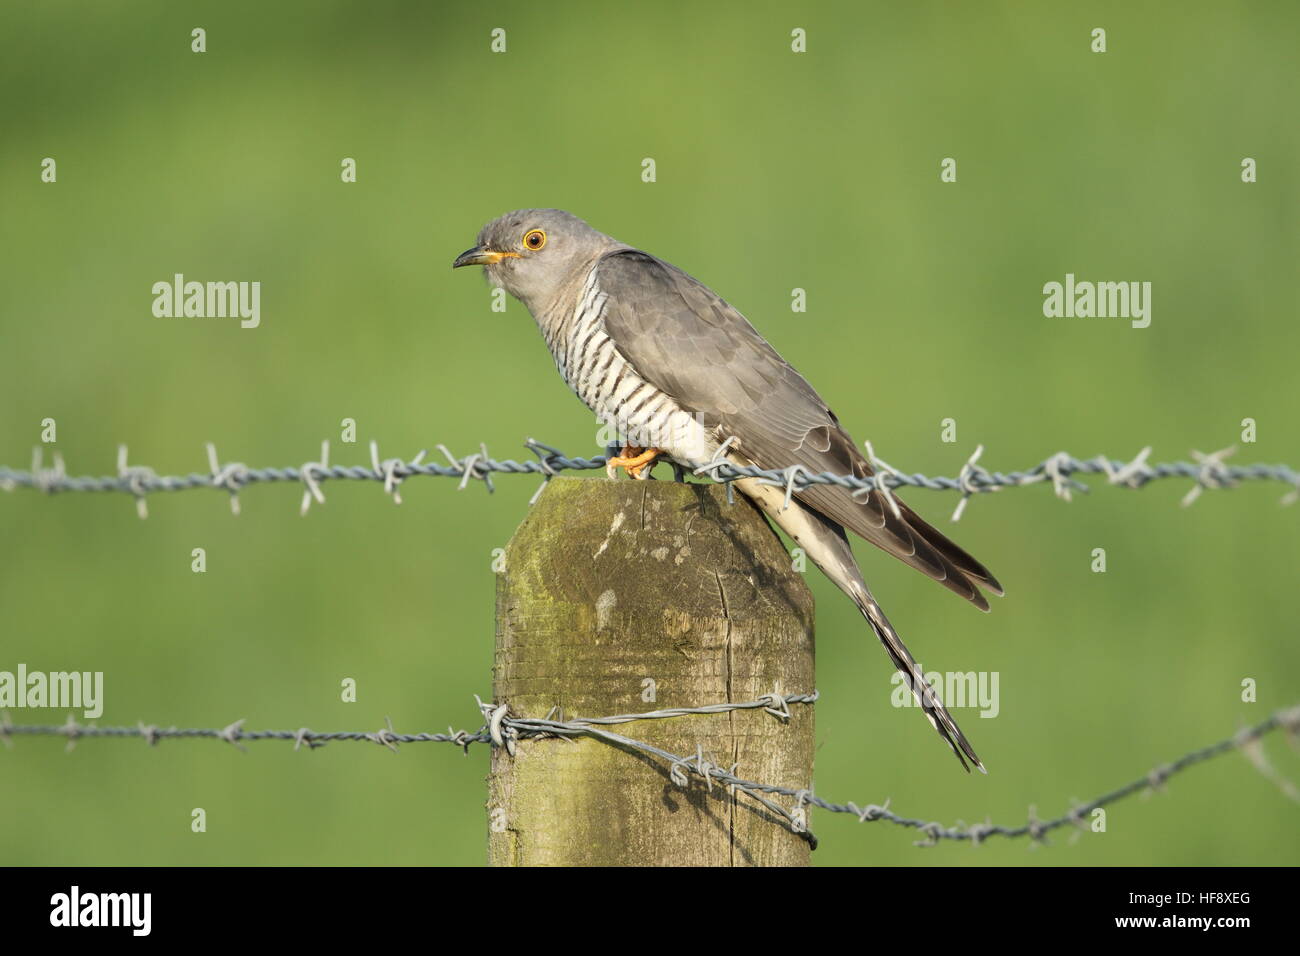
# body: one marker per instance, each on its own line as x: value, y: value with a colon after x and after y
x: 683, y: 375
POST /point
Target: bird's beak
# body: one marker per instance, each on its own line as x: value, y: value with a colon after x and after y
x: 481, y: 256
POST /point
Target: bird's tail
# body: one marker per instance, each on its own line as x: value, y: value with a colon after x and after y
x: 827, y: 545
x: 925, y: 695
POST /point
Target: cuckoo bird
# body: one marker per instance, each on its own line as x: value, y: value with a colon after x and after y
x: 684, y: 376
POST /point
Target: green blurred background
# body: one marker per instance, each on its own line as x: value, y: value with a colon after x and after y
x: 775, y: 171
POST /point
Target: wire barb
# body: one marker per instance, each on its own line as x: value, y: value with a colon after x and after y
x: 1134, y: 474
x: 1213, y: 473
x: 232, y: 734
x: 137, y: 479
x: 48, y: 480
x: 973, y: 480
x: 1055, y: 468
x: 230, y: 476
x: 544, y: 453
x: 310, y: 473
x: 392, y: 471
x: 884, y: 473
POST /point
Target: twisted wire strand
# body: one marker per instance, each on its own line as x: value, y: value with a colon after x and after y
x: 502, y: 730
x: 1207, y: 471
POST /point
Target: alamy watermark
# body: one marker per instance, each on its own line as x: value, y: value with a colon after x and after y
x: 65, y: 690
x: 1102, y: 300
x: 129, y: 910
x: 208, y: 300
x: 678, y: 430
x: 953, y: 689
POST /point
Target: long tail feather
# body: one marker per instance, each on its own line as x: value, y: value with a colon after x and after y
x: 826, y: 543
x: 925, y: 695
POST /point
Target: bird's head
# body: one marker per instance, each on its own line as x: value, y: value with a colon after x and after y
x: 534, y: 254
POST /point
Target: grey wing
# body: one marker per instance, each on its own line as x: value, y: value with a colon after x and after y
x: 685, y: 340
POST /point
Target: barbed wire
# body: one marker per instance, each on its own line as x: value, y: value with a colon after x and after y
x: 502, y: 730
x: 1207, y: 471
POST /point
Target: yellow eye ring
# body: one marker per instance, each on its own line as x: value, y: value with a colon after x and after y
x: 534, y: 240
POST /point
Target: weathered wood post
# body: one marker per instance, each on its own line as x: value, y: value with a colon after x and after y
x: 631, y: 596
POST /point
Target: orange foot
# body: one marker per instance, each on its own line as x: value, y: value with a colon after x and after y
x: 637, y: 462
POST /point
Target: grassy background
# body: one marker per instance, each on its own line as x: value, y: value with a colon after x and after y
x: 775, y: 170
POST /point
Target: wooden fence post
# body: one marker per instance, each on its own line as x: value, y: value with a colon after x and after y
x: 629, y: 596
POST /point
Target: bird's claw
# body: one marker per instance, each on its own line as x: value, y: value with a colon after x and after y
x: 637, y: 462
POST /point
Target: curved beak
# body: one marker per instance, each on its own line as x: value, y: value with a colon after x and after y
x: 481, y: 256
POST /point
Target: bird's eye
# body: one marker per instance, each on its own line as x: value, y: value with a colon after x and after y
x: 534, y: 239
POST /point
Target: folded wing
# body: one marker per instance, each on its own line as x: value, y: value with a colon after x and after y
x: 685, y: 340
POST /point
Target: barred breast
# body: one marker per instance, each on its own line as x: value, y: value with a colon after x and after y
x: 607, y: 383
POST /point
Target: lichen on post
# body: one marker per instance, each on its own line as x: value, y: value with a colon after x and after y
x: 630, y: 596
